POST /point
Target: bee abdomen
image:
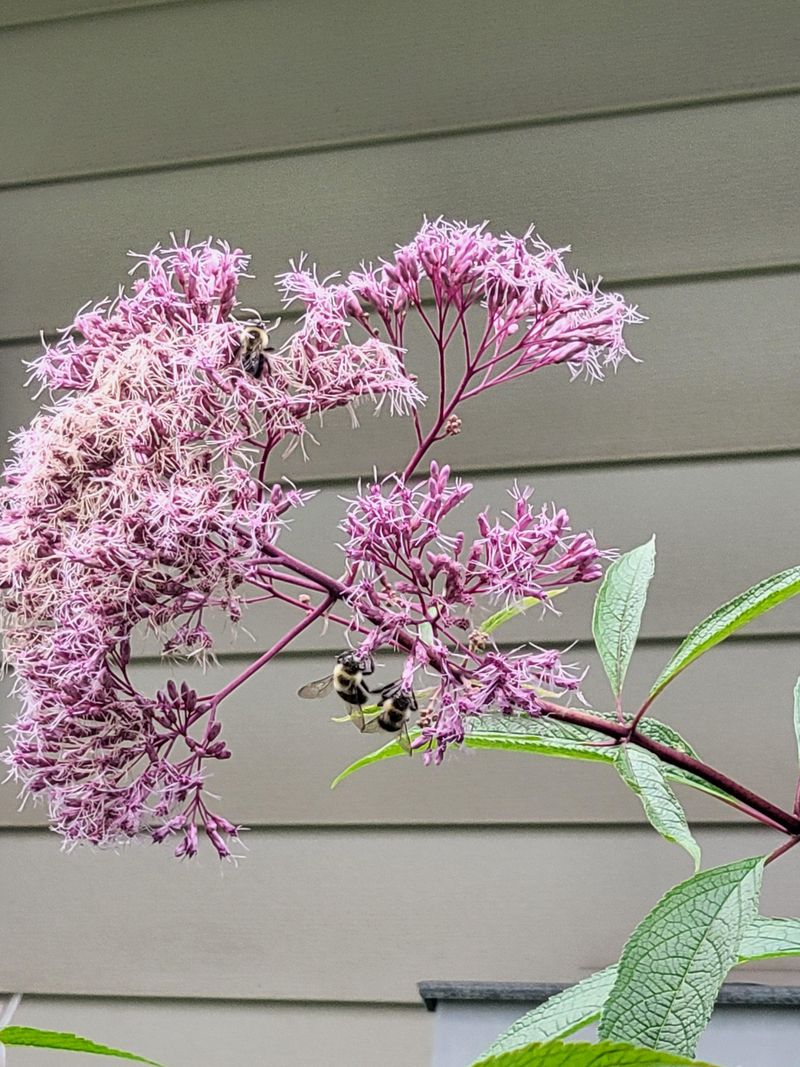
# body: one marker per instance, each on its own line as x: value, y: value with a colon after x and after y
x: 392, y: 720
x: 356, y: 695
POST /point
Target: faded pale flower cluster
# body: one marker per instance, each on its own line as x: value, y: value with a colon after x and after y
x: 144, y: 498
x: 136, y: 500
x: 413, y: 577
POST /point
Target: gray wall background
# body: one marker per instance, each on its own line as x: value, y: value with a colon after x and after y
x: 660, y: 138
x: 738, y: 1036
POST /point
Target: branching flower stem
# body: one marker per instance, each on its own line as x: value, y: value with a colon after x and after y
x: 263, y: 659
x: 747, y: 801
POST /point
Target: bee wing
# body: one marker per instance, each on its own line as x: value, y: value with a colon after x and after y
x: 366, y: 726
x: 316, y: 689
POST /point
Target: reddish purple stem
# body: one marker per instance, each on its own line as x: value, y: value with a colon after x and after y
x: 265, y: 657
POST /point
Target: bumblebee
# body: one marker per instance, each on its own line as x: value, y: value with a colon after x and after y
x: 396, y: 707
x: 347, y: 681
x: 253, y: 347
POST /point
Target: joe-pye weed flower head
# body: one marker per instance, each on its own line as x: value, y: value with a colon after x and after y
x: 139, y: 497
x: 412, y: 576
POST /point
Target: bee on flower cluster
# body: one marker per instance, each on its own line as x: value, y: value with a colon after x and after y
x: 252, y: 351
x: 395, y: 705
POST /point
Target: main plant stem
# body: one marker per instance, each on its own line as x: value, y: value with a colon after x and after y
x: 624, y: 732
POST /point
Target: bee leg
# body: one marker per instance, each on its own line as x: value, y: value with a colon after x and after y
x: 361, y: 695
x: 391, y: 689
x: 357, y: 718
x: 405, y: 740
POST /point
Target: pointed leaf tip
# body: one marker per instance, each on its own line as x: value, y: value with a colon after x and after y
x: 721, y: 623
x: 31, y: 1037
x: 560, y: 1015
x: 646, y: 776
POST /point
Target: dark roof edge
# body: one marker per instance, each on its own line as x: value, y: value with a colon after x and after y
x: 537, y: 992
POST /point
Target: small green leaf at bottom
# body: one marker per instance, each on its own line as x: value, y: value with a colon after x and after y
x: 604, y: 1054
x: 33, y: 1038
x: 560, y: 1015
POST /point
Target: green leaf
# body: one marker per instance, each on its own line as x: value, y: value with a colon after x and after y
x: 729, y: 618
x: 797, y: 713
x: 425, y: 633
x: 604, y: 1054
x: 675, y: 961
x: 694, y: 781
x: 28, y: 1035
x: 393, y: 748
x: 644, y: 773
x: 519, y: 607
x: 512, y: 734
x: 570, y: 1010
x: 560, y: 1015
x: 769, y: 938
x: 581, y: 1004
x: 548, y: 737
x: 659, y: 731
x: 618, y: 610
x: 543, y: 736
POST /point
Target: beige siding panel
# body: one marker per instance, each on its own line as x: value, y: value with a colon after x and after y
x: 344, y: 915
x: 684, y: 191
x: 203, y: 80
x: 17, y: 403
x: 247, y: 1035
x: 287, y: 751
x: 718, y: 374
x: 24, y: 12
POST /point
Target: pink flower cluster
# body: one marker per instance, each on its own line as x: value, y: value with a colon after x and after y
x: 535, y: 312
x: 138, y: 500
x: 413, y: 576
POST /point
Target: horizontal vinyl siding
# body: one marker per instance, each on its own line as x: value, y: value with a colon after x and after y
x: 644, y: 195
x: 18, y: 13
x: 257, y: 1034
x: 236, y: 77
x: 286, y: 751
x: 307, y: 915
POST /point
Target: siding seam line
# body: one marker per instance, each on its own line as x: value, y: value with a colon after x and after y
x: 421, y: 136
